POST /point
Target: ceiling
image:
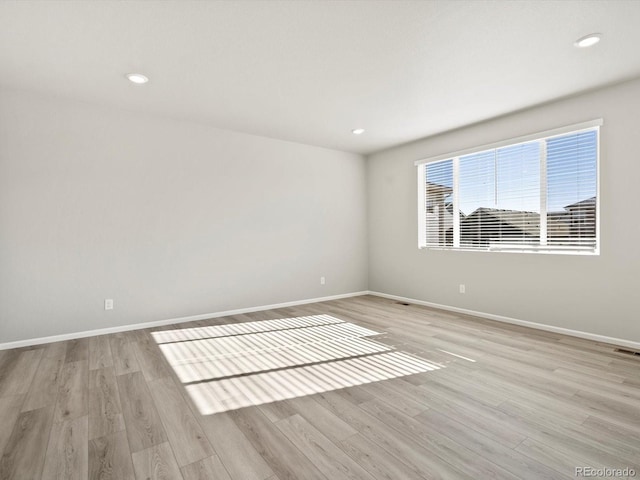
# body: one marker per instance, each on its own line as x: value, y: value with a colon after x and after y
x: 311, y: 71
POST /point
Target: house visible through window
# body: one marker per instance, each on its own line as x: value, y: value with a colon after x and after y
x: 531, y: 194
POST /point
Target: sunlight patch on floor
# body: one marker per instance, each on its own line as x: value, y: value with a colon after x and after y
x: 456, y: 355
x: 184, y: 334
x: 226, y: 367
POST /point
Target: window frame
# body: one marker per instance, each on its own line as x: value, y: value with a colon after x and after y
x: 543, y: 248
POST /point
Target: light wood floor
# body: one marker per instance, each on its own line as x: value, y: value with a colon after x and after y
x: 187, y: 402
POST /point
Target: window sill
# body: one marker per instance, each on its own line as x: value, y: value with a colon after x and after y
x: 519, y: 249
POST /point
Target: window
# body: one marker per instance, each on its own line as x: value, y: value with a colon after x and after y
x: 533, y: 194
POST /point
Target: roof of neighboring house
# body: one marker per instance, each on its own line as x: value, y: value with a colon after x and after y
x: 438, y: 188
x: 582, y: 203
x: 527, y: 222
x: 449, y: 207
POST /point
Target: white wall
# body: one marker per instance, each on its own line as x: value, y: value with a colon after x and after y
x: 168, y: 218
x: 594, y: 294
x: 172, y: 219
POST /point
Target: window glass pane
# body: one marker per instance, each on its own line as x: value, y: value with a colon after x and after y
x: 439, y: 203
x: 499, y: 192
x: 477, y: 194
x: 571, y: 189
x: 518, y: 174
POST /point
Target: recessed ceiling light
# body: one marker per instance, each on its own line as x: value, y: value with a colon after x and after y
x: 137, y: 78
x: 357, y: 131
x: 588, y: 40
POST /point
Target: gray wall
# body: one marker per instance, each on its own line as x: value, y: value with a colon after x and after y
x: 168, y: 218
x: 596, y: 294
x: 172, y: 219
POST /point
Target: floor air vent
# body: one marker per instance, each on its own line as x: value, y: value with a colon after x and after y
x: 627, y: 352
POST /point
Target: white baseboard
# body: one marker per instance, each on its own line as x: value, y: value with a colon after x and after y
x: 159, y: 323
x: 539, y: 326
x: 125, y: 328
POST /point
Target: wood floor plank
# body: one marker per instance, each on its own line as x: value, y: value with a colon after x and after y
x: 394, y: 442
x: 332, y: 426
x: 77, y: 350
x: 68, y: 451
x: 24, y: 453
x: 210, y: 468
x: 596, y: 385
x: 461, y: 384
x: 283, y: 457
x: 124, y: 358
x: 144, y: 427
x: 604, y: 427
x: 580, y: 441
x: 357, y: 395
x: 73, y: 392
x: 396, y: 397
x: 525, y: 378
x: 520, y: 465
x: 110, y: 458
x: 239, y: 456
x: 44, y: 387
x: 482, y: 418
x: 324, y: 454
x: 275, y: 411
x: 522, y: 394
x: 501, y: 402
x: 55, y: 350
x: 627, y: 411
x: 185, y: 435
x: 105, y: 411
x: 552, y: 457
x: 18, y: 371
x: 100, y: 352
x: 150, y: 358
x: 464, y: 460
x: 156, y: 463
x: 376, y: 460
x: 9, y: 411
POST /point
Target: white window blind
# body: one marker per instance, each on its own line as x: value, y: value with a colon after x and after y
x: 535, y: 195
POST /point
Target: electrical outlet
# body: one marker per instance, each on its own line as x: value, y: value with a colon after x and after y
x: 462, y: 288
x: 322, y: 281
x: 108, y: 304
